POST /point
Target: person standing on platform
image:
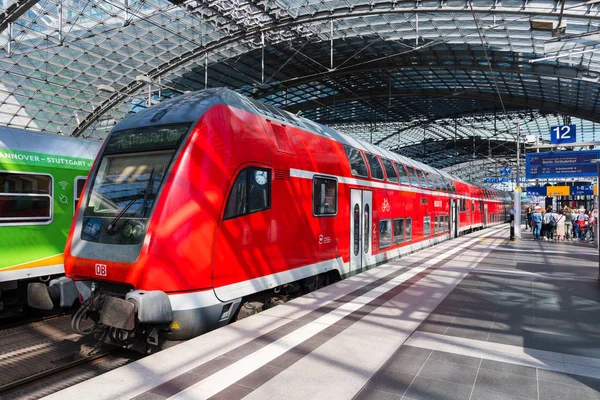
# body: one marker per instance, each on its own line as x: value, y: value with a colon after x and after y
x: 568, y: 213
x: 528, y: 217
x: 536, y: 223
x: 550, y: 222
x: 544, y: 226
x: 582, y: 222
x: 560, y: 226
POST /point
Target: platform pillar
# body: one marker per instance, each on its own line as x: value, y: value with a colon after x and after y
x: 517, y: 208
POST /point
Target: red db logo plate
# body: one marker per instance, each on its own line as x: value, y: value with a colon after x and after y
x: 101, y: 269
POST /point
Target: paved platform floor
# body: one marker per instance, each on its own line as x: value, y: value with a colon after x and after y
x: 478, y: 317
x: 508, y: 329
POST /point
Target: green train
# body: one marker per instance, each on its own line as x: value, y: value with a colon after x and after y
x: 41, y: 178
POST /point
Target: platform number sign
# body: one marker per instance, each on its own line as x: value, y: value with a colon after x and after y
x: 563, y: 134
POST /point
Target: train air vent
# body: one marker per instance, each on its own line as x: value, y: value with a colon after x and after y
x: 284, y: 145
x: 282, y: 174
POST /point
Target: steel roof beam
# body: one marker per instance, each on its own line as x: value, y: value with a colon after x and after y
x: 572, y: 73
x: 349, y: 11
x: 14, y: 12
x: 513, y: 101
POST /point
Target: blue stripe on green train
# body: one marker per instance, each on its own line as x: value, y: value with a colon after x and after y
x: 41, y: 176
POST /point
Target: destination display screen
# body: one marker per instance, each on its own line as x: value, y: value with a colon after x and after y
x: 145, y: 139
x: 567, y: 164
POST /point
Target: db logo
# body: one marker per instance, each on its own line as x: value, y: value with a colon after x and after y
x: 101, y: 269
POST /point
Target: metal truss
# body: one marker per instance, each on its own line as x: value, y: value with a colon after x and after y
x: 397, y: 73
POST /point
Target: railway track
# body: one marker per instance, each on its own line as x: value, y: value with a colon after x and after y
x: 42, y: 357
x: 15, y: 322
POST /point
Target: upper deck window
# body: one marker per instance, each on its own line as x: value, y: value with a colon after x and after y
x: 403, y: 174
x: 390, y: 172
x: 430, y: 181
x: 358, y: 167
x: 438, y: 185
x: 375, y: 166
x: 422, y: 179
x: 414, y: 180
x: 25, y: 198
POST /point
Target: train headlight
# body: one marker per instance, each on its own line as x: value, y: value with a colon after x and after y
x: 133, y: 229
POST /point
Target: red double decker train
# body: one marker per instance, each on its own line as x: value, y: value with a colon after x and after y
x: 207, y: 201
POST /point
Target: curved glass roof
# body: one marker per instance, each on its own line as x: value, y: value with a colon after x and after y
x: 397, y: 74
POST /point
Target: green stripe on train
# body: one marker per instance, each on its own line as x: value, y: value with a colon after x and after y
x: 22, y: 244
x: 43, y: 160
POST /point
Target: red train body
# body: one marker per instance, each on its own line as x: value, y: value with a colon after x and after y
x: 197, y: 204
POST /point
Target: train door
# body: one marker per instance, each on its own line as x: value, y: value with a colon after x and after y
x: 485, y: 215
x: 361, y: 221
x: 453, y: 218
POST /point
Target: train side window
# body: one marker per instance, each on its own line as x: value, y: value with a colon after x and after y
x: 324, y: 196
x: 375, y: 166
x: 430, y: 181
x: 403, y: 175
x: 438, y: 185
x: 25, y: 198
x: 358, y: 167
x: 436, y: 225
x: 390, y: 172
x: 398, y: 231
x: 78, y: 186
x: 408, y: 229
x: 426, y: 226
x: 422, y: 179
x: 414, y: 180
x: 251, y: 193
x: 385, y: 233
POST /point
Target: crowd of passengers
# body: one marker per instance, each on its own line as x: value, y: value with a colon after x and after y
x: 566, y: 224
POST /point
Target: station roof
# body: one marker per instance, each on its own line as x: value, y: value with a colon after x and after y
x: 444, y: 82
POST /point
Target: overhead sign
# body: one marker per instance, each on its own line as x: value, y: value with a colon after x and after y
x: 581, y: 190
x: 558, y: 190
x: 565, y: 164
x: 563, y: 134
x: 585, y: 190
x: 502, y: 180
x: 536, y: 191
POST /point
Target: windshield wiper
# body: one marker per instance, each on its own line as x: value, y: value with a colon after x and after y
x: 149, y: 187
x: 143, y: 192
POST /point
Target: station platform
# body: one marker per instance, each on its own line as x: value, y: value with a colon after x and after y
x: 477, y: 317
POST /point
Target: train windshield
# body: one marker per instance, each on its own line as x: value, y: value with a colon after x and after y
x: 128, y: 184
x: 132, y: 170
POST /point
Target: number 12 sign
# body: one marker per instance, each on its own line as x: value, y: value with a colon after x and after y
x: 563, y: 134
